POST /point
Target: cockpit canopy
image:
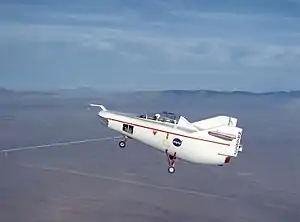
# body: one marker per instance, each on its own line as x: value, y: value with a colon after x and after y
x: 162, y: 116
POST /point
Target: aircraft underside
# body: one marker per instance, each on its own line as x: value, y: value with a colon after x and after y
x: 170, y: 158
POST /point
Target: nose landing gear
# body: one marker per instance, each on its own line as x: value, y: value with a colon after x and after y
x: 122, y: 143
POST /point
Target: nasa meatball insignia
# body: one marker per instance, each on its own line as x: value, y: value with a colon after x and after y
x: 177, y: 142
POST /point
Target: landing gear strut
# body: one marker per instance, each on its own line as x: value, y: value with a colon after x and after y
x: 171, y: 162
x: 122, y: 143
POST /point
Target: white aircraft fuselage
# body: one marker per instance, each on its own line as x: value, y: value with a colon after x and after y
x: 214, y: 144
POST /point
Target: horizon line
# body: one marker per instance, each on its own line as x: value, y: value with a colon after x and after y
x: 53, y: 90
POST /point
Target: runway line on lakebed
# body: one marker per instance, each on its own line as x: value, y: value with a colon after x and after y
x: 68, y: 143
x: 127, y: 181
x: 103, y: 177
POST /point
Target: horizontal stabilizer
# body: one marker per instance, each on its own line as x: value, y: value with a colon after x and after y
x: 222, y: 135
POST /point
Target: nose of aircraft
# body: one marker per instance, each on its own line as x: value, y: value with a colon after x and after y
x: 103, y: 118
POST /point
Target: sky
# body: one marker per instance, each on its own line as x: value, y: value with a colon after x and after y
x: 150, y: 45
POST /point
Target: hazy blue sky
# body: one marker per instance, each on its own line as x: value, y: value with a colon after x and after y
x: 135, y: 44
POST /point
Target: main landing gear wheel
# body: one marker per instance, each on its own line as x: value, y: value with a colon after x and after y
x: 171, y: 170
x: 122, y: 144
x: 171, y: 162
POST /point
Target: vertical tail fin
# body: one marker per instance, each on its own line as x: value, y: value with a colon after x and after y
x: 215, y: 121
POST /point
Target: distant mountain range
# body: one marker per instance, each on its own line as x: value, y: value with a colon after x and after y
x: 215, y: 92
x: 4, y: 91
x: 86, y: 91
x: 61, y: 92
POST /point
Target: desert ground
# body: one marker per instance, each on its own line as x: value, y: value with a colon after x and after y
x: 98, y: 181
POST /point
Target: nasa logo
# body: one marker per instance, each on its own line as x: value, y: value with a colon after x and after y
x: 177, y: 142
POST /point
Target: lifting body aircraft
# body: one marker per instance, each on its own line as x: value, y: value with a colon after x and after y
x: 212, y: 141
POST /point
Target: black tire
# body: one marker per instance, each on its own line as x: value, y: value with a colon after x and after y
x: 171, y: 170
x: 122, y: 144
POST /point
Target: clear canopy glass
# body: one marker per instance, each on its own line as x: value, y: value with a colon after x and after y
x: 163, y: 116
